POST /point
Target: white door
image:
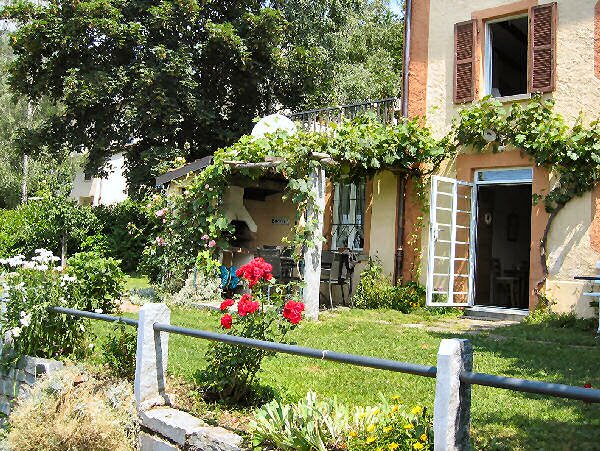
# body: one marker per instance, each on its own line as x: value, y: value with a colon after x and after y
x: 450, y: 265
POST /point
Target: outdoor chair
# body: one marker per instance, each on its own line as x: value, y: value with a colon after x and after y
x: 332, y: 273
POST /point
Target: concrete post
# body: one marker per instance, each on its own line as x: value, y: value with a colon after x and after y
x: 312, y: 255
x: 151, y: 357
x: 452, y: 407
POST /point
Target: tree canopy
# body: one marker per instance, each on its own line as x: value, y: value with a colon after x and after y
x: 168, y: 78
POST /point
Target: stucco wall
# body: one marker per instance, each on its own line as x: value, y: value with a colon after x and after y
x: 263, y: 213
x: 108, y: 190
x: 383, y: 219
x: 577, y: 89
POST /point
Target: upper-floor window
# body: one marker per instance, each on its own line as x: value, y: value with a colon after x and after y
x: 519, y: 53
x: 506, y: 57
x: 348, y: 225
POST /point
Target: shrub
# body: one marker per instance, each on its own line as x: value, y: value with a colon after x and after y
x: 125, y: 227
x: 141, y: 296
x: 231, y: 373
x: 544, y: 316
x: 100, y: 278
x: 199, y: 287
x: 118, y: 351
x: 63, y: 413
x: 322, y: 425
x: 31, y: 288
x: 307, y: 425
x: 45, y: 223
x: 375, y: 291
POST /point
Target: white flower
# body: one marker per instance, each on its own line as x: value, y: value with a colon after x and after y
x: 15, y: 331
x: 29, y: 265
x: 3, y: 261
x: 98, y: 310
x: 91, y: 346
x: 42, y: 267
x: 26, y: 320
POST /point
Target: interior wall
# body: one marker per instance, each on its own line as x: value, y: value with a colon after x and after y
x: 267, y: 214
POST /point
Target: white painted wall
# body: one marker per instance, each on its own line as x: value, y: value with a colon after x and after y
x: 109, y: 190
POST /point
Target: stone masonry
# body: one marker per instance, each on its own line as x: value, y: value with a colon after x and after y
x: 14, y: 381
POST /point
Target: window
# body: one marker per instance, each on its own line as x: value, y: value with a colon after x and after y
x: 348, y: 224
x: 506, y: 57
x: 519, y: 53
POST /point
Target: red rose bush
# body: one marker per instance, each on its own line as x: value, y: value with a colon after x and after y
x: 232, y: 369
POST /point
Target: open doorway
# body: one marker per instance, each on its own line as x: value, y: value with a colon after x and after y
x: 503, y: 225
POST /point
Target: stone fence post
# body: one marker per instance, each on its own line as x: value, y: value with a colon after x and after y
x: 151, y: 357
x: 452, y: 406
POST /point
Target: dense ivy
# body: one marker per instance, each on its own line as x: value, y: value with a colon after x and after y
x: 571, y: 153
x: 357, y: 148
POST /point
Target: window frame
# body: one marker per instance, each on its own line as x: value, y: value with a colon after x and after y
x: 355, y: 219
x: 487, y: 57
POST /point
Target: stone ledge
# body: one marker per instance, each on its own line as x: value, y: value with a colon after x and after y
x: 171, y: 423
x: 149, y: 442
x: 187, y: 431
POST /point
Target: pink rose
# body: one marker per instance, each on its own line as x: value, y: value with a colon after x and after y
x: 212, y: 243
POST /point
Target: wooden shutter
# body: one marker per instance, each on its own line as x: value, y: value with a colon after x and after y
x: 464, y: 61
x: 542, y: 48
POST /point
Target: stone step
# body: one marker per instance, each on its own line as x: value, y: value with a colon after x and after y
x: 496, y: 313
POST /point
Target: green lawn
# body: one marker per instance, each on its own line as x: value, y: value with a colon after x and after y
x: 500, y: 419
x: 135, y: 281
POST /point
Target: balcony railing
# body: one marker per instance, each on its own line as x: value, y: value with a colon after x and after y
x: 386, y: 110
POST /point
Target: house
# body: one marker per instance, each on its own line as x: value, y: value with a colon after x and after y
x: 480, y: 244
x: 108, y: 190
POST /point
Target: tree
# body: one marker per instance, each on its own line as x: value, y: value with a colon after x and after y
x: 44, y: 173
x: 156, y: 79
x: 161, y: 79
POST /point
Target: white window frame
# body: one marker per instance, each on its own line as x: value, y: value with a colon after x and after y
x: 354, y: 217
x: 487, y: 59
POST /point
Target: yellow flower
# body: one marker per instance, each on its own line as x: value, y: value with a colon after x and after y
x: 423, y: 437
x: 408, y: 426
x: 362, y: 415
x: 417, y: 410
x: 370, y: 428
x: 393, y: 445
x: 418, y: 445
x: 395, y: 409
x: 352, y: 434
x: 395, y: 398
x: 379, y: 449
x: 387, y: 429
x: 376, y: 411
x: 370, y: 439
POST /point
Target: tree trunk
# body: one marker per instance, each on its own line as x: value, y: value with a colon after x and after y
x: 543, y: 250
x: 63, y: 251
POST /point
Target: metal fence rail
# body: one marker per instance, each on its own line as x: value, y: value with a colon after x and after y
x: 453, y: 373
x: 473, y: 378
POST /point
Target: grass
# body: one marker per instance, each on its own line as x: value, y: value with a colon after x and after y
x: 501, y: 419
x: 134, y: 281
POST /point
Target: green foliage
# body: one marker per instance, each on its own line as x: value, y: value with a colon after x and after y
x: 32, y: 287
x: 118, y: 351
x: 267, y: 314
x: 310, y: 424
x: 125, y: 227
x: 572, y: 153
x: 543, y: 315
x: 45, y: 223
x: 359, y: 148
x: 100, y: 277
x: 199, y: 287
x: 321, y: 425
x: 375, y: 290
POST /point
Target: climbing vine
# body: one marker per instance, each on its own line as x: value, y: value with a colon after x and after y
x: 572, y: 153
x: 349, y: 151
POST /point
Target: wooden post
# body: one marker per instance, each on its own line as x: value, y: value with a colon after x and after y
x: 312, y: 254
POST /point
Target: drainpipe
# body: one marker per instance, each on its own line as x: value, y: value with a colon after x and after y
x: 401, y: 180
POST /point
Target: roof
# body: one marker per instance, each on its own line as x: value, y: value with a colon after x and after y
x: 195, y: 165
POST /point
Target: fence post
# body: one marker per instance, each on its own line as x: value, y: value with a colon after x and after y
x: 452, y: 406
x: 151, y: 357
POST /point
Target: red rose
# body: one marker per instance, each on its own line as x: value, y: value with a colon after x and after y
x: 247, y: 305
x: 226, y: 321
x: 588, y: 385
x: 255, y: 271
x: 226, y: 304
x: 292, y: 311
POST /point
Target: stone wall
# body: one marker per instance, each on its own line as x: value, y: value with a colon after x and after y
x: 14, y: 380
